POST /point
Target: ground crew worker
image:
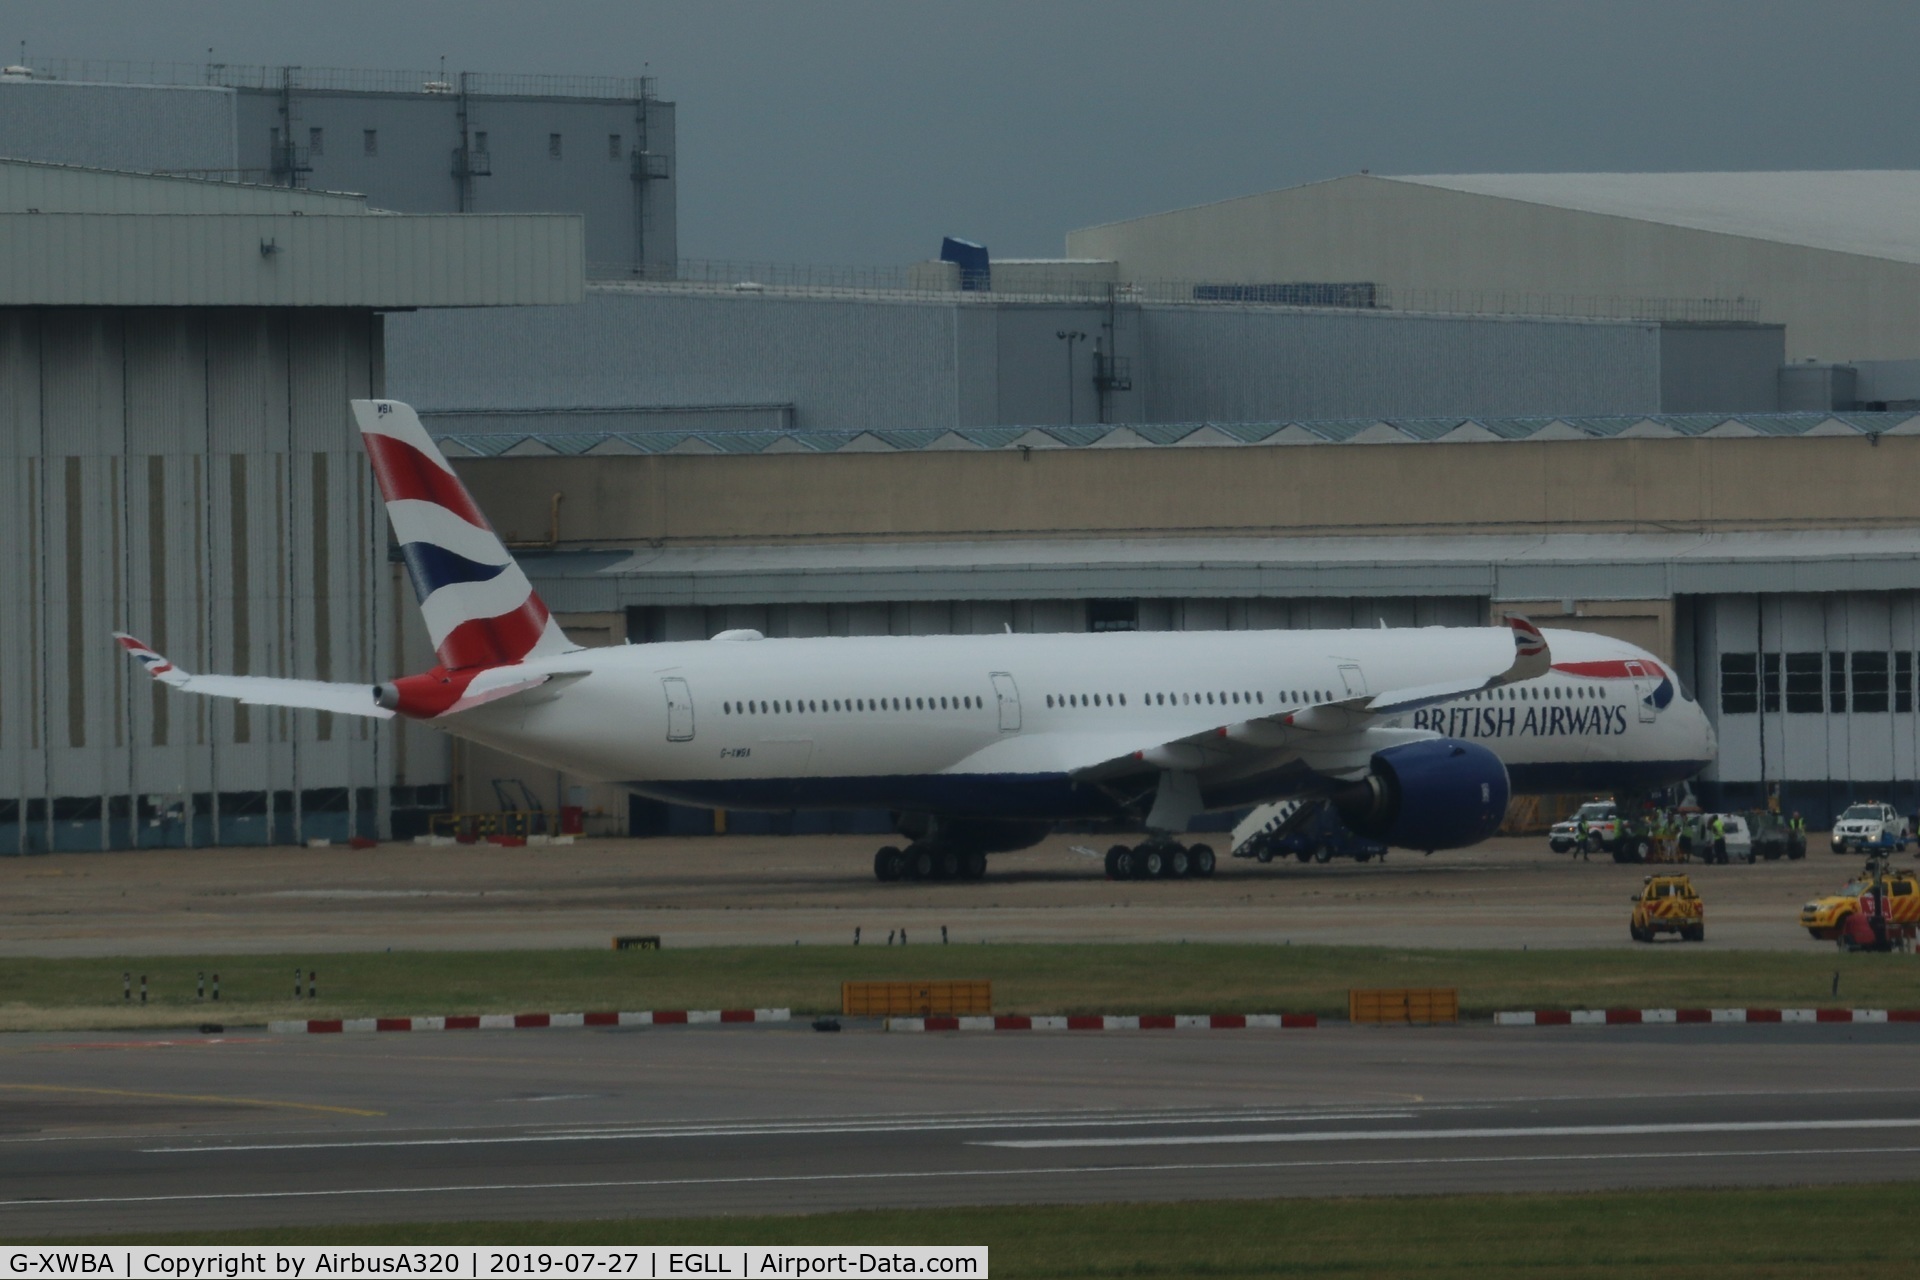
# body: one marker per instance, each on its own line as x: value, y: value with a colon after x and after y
x: 1719, y: 839
x: 1581, y: 846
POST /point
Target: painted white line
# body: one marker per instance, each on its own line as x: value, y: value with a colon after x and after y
x: 1406, y: 1135
x: 779, y: 1129
x: 1069, y: 1170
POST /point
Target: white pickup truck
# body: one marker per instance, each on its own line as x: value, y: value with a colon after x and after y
x: 1870, y: 826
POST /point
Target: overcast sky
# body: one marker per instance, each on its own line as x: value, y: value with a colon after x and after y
x: 852, y: 132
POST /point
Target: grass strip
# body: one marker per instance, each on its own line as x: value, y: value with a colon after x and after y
x: 1807, y: 1233
x: 71, y: 994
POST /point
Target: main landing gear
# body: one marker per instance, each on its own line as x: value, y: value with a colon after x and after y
x: 1160, y: 860
x: 922, y: 861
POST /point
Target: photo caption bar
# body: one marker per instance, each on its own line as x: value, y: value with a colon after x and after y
x: 306, y: 1262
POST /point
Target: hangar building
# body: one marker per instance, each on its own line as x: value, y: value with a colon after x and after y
x: 176, y: 358
x: 412, y: 141
x: 1833, y: 256
x: 699, y: 358
x: 1769, y: 557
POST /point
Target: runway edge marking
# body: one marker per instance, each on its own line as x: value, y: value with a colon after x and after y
x: 528, y: 1021
x: 1105, y: 1022
x: 1642, y: 1017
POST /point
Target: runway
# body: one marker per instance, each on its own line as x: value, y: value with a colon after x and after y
x: 114, y: 1134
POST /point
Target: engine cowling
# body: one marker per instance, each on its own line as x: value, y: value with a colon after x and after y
x: 1439, y: 794
x: 423, y: 697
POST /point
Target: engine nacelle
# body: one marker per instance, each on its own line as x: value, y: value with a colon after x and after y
x: 422, y: 697
x: 1441, y: 794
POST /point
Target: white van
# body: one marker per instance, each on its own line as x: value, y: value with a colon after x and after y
x: 1739, y: 839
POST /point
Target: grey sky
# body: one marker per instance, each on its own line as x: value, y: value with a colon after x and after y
x: 843, y: 132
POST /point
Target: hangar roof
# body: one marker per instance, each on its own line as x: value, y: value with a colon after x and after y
x: 1588, y: 566
x: 87, y: 237
x: 492, y: 442
x: 1863, y: 211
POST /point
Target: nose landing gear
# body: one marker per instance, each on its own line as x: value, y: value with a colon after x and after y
x: 1160, y: 860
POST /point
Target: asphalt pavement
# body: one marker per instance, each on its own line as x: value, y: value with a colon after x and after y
x: 140, y: 1134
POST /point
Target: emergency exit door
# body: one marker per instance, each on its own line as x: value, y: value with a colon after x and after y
x: 679, y: 709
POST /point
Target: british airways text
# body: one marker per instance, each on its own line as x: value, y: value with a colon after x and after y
x: 1508, y: 722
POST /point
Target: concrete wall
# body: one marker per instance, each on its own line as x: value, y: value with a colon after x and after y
x: 191, y: 476
x: 1406, y: 236
x: 118, y: 126
x: 412, y: 167
x: 1519, y: 486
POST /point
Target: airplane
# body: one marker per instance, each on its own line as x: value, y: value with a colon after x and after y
x: 980, y: 744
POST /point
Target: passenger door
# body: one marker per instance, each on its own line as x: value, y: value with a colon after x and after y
x: 679, y: 709
x: 1007, y: 694
x: 1643, y: 686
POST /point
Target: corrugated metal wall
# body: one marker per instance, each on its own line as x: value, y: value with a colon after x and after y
x: 1812, y: 693
x: 873, y: 364
x: 986, y: 617
x: 192, y: 476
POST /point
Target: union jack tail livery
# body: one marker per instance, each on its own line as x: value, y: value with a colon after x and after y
x: 1527, y: 640
x: 480, y: 610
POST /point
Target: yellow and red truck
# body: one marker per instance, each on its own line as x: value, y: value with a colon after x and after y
x: 1668, y: 904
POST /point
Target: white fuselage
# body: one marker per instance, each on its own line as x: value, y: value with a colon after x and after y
x: 996, y: 725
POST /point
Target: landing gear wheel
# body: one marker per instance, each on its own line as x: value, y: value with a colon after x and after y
x: 1126, y: 866
x: 973, y: 865
x: 1202, y: 860
x: 1153, y: 864
x: 920, y: 864
x: 888, y: 864
x: 1114, y: 863
x: 1179, y: 864
x: 1265, y: 855
x: 946, y: 865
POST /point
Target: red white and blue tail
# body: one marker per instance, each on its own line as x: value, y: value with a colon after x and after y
x: 479, y: 607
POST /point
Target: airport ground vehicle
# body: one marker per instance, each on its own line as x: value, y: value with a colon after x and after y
x: 1603, y: 828
x: 1735, y: 833
x: 1668, y: 904
x: 1321, y: 838
x: 1869, y: 826
x: 1826, y: 918
x: 1774, y: 837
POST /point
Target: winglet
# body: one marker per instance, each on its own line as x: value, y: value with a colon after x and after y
x: 1531, y: 656
x: 155, y: 663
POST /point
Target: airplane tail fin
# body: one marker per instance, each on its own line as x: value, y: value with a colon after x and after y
x: 479, y: 608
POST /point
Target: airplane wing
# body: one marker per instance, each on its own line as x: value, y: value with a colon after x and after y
x: 1330, y: 738
x: 260, y: 691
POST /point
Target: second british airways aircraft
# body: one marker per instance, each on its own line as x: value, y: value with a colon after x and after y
x: 980, y: 743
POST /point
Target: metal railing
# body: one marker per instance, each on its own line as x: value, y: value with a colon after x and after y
x: 228, y: 75
x: 1034, y: 282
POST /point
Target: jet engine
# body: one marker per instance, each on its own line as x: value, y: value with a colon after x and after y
x: 1438, y: 794
x: 422, y: 697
